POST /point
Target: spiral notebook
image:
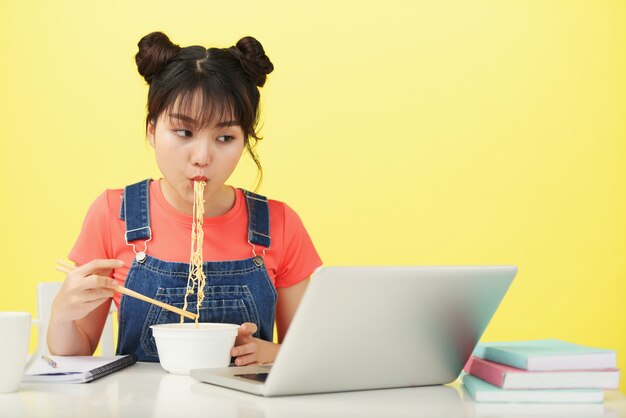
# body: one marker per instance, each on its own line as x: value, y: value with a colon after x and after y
x: 75, y: 369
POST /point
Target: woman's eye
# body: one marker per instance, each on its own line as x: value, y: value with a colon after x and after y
x: 225, y: 138
x: 184, y: 133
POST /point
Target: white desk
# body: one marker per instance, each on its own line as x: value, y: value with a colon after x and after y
x: 146, y: 390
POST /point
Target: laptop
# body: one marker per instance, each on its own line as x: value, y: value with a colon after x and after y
x: 361, y: 328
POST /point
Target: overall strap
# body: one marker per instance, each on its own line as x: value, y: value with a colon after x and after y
x: 135, y: 211
x: 258, y: 219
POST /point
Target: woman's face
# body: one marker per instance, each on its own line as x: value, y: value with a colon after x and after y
x: 186, y: 152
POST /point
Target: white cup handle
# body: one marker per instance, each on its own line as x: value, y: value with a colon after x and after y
x: 36, y: 354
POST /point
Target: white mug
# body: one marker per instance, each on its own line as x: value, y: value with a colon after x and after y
x: 15, y: 336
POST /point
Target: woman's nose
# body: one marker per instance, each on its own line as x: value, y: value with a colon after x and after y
x: 201, y: 153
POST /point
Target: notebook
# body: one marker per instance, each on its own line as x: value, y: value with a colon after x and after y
x: 363, y: 328
x: 76, y: 369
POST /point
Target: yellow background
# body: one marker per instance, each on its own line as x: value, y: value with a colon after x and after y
x: 451, y: 132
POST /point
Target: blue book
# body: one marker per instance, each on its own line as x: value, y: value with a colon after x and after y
x: 547, y: 355
x: 482, y: 391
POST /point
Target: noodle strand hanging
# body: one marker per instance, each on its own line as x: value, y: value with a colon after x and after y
x: 196, y: 277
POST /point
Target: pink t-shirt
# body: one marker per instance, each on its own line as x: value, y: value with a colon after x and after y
x: 291, y: 258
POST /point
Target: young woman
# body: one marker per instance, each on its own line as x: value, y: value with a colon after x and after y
x: 202, y: 114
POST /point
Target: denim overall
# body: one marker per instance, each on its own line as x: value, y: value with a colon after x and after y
x: 236, y: 291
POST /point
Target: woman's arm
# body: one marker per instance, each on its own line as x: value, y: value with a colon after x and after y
x: 288, y: 301
x: 80, y: 309
x: 78, y: 337
x: 249, y: 350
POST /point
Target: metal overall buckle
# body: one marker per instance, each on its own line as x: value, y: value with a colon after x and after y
x: 258, y: 259
x: 141, y: 255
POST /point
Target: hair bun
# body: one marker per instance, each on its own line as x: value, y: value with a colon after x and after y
x: 155, y: 51
x: 254, y: 60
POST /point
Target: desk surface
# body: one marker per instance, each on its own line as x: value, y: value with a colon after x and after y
x: 146, y: 390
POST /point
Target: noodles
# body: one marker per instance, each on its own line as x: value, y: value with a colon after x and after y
x: 196, y: 275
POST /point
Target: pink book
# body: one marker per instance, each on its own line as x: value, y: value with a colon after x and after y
x: 508, y: 377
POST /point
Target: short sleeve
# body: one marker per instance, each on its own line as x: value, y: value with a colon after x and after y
x: 94, y: 240
x: 300, y: 259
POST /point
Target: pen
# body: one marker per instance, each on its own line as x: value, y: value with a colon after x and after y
x: 50, y: 362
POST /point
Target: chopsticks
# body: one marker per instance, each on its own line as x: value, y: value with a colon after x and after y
x: 64, y: 267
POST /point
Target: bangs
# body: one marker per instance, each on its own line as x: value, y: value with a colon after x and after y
x: 206, y: 102
x: 204, y: 111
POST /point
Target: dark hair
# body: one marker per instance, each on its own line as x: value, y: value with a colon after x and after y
x: 223, y: 81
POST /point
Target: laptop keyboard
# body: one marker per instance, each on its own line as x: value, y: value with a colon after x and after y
x: 258, y: 377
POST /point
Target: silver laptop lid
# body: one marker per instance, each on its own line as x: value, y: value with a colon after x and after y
x: 382, y: 327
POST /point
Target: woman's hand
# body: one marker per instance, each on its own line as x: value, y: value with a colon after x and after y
x: 249, y: 350
x: 84, y: 289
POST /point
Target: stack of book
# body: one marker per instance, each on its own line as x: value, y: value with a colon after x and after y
x: 540, y: 371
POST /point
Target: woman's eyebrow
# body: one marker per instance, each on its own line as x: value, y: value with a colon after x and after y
x: 190, y: 120
x: 227, y: 123
x: 183, y: 118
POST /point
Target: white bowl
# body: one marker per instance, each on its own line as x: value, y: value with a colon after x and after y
x: 183, y: 347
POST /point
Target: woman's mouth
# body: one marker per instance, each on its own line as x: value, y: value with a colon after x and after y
x: 199, y: 178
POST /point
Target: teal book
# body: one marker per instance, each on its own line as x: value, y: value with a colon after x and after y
x: 547, y: 355
x: 482, y: 391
